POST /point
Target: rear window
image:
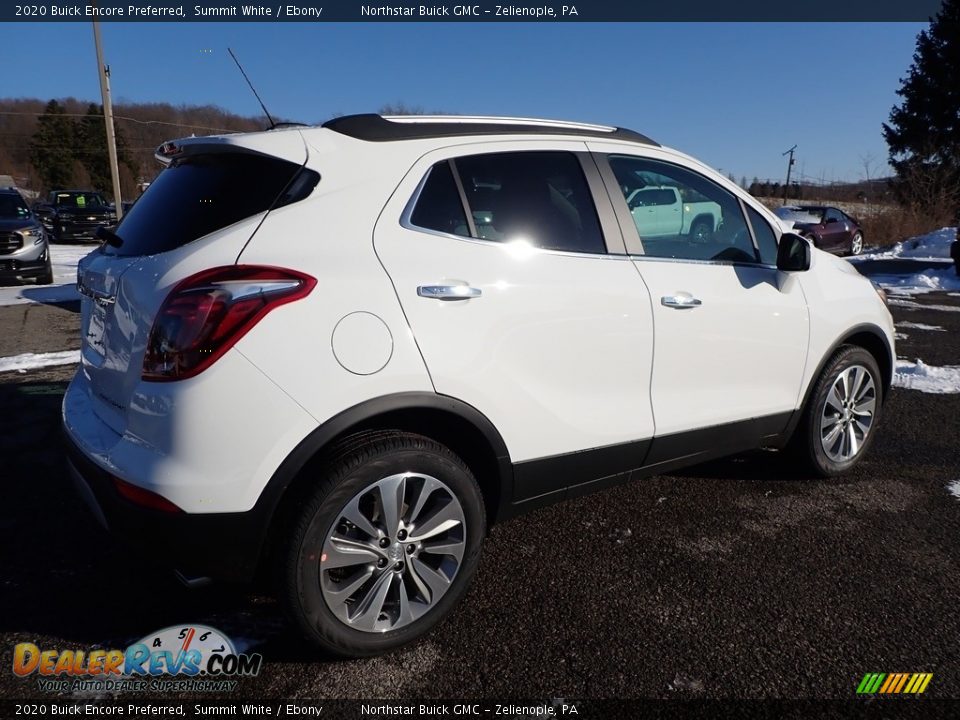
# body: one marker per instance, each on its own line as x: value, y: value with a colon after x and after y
x: 199, y: 194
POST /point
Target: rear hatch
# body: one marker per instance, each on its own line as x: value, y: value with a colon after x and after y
x: 199, y: 213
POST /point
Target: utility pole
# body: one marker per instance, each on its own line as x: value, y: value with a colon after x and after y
x: 786, y: 187
x: 104, y: 72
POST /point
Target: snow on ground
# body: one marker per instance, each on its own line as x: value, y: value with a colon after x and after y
x: 927, y: 378
x: 901, y: 302
x: 930, y: 280
x: 919, y: 326
x: 954, y: 488
x: 65, y: 259
x: 932, y: 246
x: 32, y: 361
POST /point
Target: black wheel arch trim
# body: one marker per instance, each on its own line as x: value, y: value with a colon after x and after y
x: 861, y: 329
x: 376, y: 414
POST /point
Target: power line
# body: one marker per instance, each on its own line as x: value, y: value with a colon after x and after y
x: 119, y: 117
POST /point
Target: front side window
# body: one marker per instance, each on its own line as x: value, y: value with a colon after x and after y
x: 541, y: 198
x: 833, y: 215
x: 681, y: 214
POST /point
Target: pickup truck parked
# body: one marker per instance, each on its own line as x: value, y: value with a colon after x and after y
x: 660, y: 211
x: 74, y: 215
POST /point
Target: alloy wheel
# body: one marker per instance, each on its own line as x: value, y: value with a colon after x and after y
x: 856, y: 245
x: 392, y: 552
x: 848, y: 413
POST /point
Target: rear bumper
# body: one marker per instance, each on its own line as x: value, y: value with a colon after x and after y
x: 225, y: 547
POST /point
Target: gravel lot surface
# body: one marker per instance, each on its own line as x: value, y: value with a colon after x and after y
x: 742, y: 579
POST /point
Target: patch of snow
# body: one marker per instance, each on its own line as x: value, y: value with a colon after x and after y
x: 919, y: 283
x: 935, y: 245
x: 954, y: 488
x: 919, y: 326
x: 64, y: 259
x: 900, y: 302
x: 927, y: 378
x: 32, y: 361
x: 900, y: 336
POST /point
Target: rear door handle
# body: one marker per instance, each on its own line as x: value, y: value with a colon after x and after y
x: 680, y: 302
x: 449, y: 292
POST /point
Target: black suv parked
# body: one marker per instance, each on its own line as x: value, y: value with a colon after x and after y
x: 75, y: 214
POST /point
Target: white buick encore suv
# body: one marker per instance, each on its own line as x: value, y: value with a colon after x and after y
x: 341, y: 353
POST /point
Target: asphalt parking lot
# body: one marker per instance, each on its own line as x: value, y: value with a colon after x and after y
x: 739, y: 579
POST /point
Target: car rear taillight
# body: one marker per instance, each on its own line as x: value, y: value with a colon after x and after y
x: 204, y: 315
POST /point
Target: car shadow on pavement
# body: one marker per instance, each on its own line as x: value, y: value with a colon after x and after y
x: 761, y: 465
x: 62, y: 576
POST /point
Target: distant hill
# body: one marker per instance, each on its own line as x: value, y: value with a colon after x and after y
x: 144, y: 125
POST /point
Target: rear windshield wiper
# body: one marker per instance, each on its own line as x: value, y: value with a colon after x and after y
x: 109, y: 237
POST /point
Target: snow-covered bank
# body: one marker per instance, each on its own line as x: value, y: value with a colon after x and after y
x: 932, y: 246
x: 927, y: 378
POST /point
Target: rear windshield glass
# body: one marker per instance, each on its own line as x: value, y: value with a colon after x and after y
x: 199, y: 194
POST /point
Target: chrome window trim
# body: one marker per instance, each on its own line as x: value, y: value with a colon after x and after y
x: 736, y: 263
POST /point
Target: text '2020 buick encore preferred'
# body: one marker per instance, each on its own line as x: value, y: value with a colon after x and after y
x: 341, y: 353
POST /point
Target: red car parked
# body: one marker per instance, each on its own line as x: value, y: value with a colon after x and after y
x: 829, y: 228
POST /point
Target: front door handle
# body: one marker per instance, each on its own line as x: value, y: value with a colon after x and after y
x: 680, y: 302
x: 449, y: 292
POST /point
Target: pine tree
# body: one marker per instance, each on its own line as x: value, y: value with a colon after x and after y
x: 91, y: 148
x: 924, y: 130
x: 51, y: 147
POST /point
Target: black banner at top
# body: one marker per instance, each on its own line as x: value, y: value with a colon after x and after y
x: 481, y: 11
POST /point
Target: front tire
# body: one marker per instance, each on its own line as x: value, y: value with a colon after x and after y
x: 840, y: 420
x: 385, y: 547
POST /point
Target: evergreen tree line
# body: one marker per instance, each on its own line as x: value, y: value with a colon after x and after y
x: 55, y: 144
x: 66, y: 149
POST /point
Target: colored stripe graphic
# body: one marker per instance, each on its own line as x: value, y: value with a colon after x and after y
x: 894, y: 683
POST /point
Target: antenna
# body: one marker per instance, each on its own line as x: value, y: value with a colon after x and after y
x: 253, y: 90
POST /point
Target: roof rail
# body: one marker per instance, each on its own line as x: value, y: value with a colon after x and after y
x: 378, y: 128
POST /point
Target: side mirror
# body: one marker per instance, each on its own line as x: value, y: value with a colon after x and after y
x: 793, y: 253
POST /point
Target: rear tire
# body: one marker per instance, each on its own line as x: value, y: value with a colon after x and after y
x: 856, y: 244
x: 364, y: 574
x: 840, y: 419
x: 701, y: 231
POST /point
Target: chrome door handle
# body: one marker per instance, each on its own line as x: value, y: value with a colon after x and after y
x: 681, y: 302
x: 449, y: 292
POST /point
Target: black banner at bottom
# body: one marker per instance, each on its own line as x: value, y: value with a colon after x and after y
x: 503, y: 709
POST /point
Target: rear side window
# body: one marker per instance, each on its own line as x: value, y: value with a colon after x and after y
x: 199, y: 194
x: 538, y: 197
x: 439, y: 206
